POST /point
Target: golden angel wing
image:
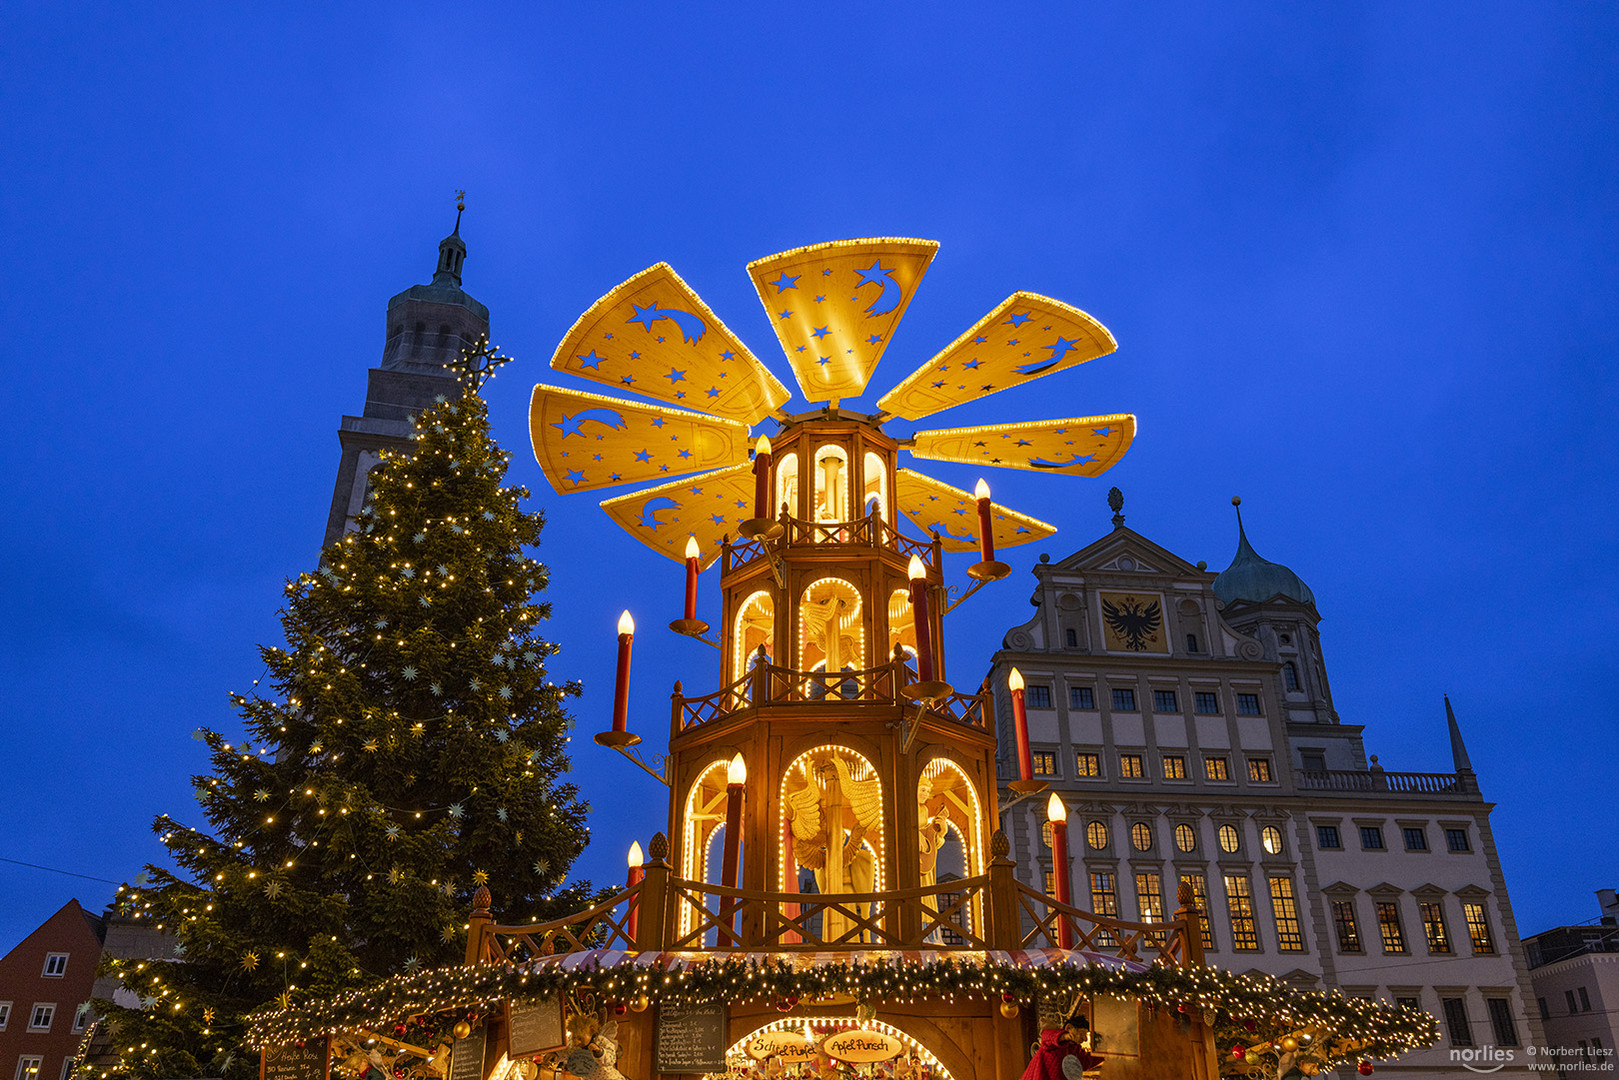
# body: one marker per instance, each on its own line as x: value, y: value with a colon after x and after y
x: 804, y: 815
x: 864, y: 798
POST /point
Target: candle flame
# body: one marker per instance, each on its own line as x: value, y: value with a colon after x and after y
x: 1014, y: 680
x: 692, y: 550
x: 636, y: 858
x: 981, y: 489
x: 1055, y: 810
x: 916, y: 571
x: 626, y: 625
x: 762, y: 446
x: 737, y: 771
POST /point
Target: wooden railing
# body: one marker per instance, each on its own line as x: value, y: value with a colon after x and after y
x: 869, y: 531
x: 1099, y: 933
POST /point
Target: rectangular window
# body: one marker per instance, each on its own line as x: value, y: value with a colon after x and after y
x: 1343, y: 920
x: 5, y: 1014
x: 1124, y: 700
x: 1039, y: 697
x: 1371, y: 838
x: 1045, y: 762
x: 1327, y: 836
x: 1216, y: 768
x: 1164, y: 701
x: 1285, y: 908
x: 1149, y: 897
x: 1433, y: 927
x: 1071, y: 637
x: 1081, y: 697
x: 1478, y: 927
x: 1408, y: 1002
x: 43, y: 1014
x: 1174, y: 767
x: 67, y: 1068
x: 1130, y: 766
x: 1051, y: 883
x: 1415, y: 839
x: 1206, y: 704
x: 1259, y: 770
x: 1104, y: 901
x: 81, y: 1016
x: 1312, y: 760
x: 1456, y: 840
x: 1247, y: 704
x: 1456, y: 1022
x: 1572, y: 1008
x: 28, y: 1066
x: 55, y: 965
x: 1087, y: 765
x: 1388, y: 924
x: 1585, y: 1000
x: 1239, y: 900
x: 1506, y: 1031
x: 1200, y: 896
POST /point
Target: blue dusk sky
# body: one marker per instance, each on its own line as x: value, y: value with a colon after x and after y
x: 1360, y: 259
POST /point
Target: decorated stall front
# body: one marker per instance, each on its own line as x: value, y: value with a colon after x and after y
x: 832, y: 897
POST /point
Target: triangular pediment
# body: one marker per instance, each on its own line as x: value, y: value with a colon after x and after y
x: 1126, y: 551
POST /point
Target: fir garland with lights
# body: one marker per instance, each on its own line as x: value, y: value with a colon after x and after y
x: 412, y: 749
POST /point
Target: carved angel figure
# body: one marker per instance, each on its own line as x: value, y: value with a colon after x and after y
x: 831, y: 816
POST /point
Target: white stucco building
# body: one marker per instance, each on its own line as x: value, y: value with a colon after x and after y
x: 1575, y: 972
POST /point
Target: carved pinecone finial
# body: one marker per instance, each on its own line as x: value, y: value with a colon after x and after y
x: 999, y: 846
x: 1184, y: 895
x: 481, y: 900
x: 657, y: 848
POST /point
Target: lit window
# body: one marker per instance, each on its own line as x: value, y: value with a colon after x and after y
x: 1096, y: 835
x: 1478, y: 927
x: 1051, y: 883
x: 1124, y: 700
x: 1247, y: 704
x: 1045, y: 833
x: 1216, y: 768
x: 1149, y: 897
x: 1174, y: 767
x: 1230, y: 839
x: 1044, y: 762
x: 1130, y: 766
x: 1206, y: 704
x: 1371, y: 838
x: 1141, y: 836
x: 1164, y: 701
x: 1343, y: 920
x: 55, y: 965
x: 1456, y: 1022
x: 1185, y: 837
x: 1388, y: 924
x: 1285, y: 907
x: 28, y: 1066
x: 1200, y: 897
x: 1039, y: 697
x: 1087, y: 765
x: 1104, y: 901
x: 1326, y: 836
x: 1415, y: 839
x: 1081, y: 697
x: 1408, y: 1002
x: 1071, y: 637
x: 1506, y: 1032
x: 1270, y: 838
x: 42, y: 1016
x: 1259, y: 770
x: 1433, y: 927
x: 1456, y: 840
x: 1239, y: 900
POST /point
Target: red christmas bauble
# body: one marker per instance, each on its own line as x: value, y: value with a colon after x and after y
x: 1238, y: 1051
x: 399, y: 1029
x: 1008, y: 996
x: 1364, y: 1068
x: 1250, y: 1025
x: 619, y: 1008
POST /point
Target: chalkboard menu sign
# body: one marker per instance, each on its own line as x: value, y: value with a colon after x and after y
x: 293, y: 1062
x: 691, y: 1039
x: 535, y: 1027
x: 466, y: 1057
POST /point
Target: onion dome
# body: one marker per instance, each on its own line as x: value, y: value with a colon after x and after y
x: 1253, y: 579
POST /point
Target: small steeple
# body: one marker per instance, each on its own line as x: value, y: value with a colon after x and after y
x: 1458, y: 749
x: 452, y: 250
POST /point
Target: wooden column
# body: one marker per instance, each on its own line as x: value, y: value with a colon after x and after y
x: 1004, y: 924
x: 656, y: 907
x: 478, y: 926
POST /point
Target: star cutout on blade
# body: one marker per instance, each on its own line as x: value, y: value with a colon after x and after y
x: 873, y: 275
x: 675, y: 376
x: 1104, y: 432
x: 786, y: 315
x: 657, y: 421
x: 974, y: 362
x: 643, y: 455
x: 874, y: 339
x: 717, y: 519
x: 591, y: 360
x: 727, y: 355
x: 784, y: 282
x: 646, y: 316
x: 575, y: 477
x: 1019, y: 320
x: 819, y: 332
x: 713, y: 391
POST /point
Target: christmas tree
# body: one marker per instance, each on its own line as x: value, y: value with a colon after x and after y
x: 412, y: 750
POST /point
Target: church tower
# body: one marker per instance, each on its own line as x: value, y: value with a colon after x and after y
x: 427, y: 326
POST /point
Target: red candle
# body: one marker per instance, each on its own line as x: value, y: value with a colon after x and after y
x: 621, y: 692
x: 736, y: 776
x: 1020, y: 725
x: 1057, y: 814
x: 692, y: 555
x: 631, y: 919
x: 919, y: 617
x: 986, y: 531
x: 761, y: 478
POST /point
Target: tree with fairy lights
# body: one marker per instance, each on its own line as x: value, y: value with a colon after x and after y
x: 412, y: 750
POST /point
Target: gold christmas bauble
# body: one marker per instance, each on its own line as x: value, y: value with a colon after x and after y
x: 1251, y: 1057
x: 1289, y: 1044
x: 639, y: 1003
x: 1009, y: 1009
x: 462, y: 1029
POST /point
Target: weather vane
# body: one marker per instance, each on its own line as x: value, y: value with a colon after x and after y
x: 477, y: 364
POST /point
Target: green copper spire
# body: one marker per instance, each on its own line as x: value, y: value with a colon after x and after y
x: 1251, y: 578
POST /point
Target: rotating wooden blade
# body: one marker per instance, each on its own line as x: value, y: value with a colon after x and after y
x: 834, y: 306
x: 653, y: 335
x: 707, y: 507
x: 586, y: 441
x: 952, y: 513
x: 1083, y: 446
x: 1027, y: 336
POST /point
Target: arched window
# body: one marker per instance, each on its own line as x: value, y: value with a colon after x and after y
x: 1290, y: 675
x: 755, y: 626
x: 787, y: 486
x: 831, y: 484
x: 875, y: 486
x: 901, y: 624
x: 831, y: 630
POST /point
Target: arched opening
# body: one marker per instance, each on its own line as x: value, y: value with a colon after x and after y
x: 782, y: 1047
x: 832, y: 836
x: 875, y: 486
x: 950, y: 824
x: 831, y: 632
x: 703, y: 834
x: 831, y: 484
x: 786, y: 485
x: 755, y: 627
x: 901, y: 624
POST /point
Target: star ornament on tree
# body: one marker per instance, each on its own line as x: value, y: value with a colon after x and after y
x: 478, y: 364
